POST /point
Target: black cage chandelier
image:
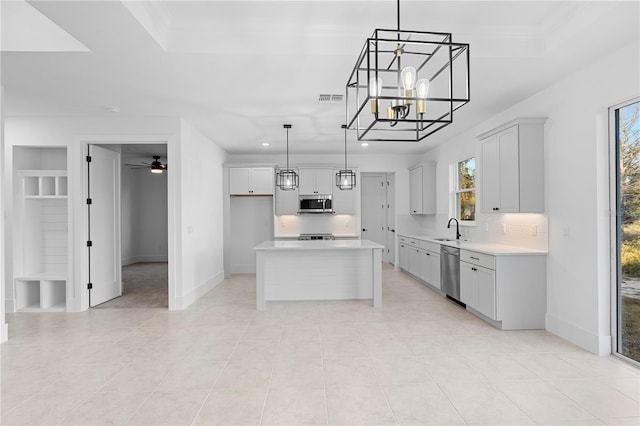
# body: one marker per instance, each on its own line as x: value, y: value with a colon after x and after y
x: 345, y: 178
x: 406, y: 84
x: 287, y: 179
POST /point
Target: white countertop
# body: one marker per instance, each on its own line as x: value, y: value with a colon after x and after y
x: 318, y: 245
x: 487, y: 248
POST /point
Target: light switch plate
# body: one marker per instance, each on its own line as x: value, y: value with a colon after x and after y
x: 534, y: 230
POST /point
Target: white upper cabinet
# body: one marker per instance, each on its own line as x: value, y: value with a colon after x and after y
x: 512, y: 166
x: 251, y: 181
x: 422, y: 189
x: 316, y: 181
x: 286, y: 202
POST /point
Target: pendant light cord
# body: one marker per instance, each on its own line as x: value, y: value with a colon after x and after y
x: 345, y: 147
x: 287, y: 148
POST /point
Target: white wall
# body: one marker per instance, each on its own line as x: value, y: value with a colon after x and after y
x: 73, y: 133
x: 4, y: 278
x: 576, y: 190
x: 144, y: 216
x: 201, y: 217
x: 251, y: 222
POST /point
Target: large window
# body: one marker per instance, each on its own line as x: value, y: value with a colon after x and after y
x: 625, y: 121
x: 465, y: 202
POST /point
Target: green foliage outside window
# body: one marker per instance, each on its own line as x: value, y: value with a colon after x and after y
x: 466, y: 190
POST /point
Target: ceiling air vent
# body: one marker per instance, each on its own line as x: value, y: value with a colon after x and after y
x: 329, y: 98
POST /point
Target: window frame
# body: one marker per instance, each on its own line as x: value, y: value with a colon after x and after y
x: 615, y: 237
x: 456, y: 190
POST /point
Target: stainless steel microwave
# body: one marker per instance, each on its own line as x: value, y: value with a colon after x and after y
x: 315, y: 204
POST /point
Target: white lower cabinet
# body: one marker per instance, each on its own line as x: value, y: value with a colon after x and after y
x: 478, y: 288
x: 509, y: 290
x: 421, y: 259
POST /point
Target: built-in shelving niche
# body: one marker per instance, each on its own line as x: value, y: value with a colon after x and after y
x: 42, y: 229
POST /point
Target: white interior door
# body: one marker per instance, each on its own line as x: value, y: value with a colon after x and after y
x: 104, y: 225
x: 391, y: 219
x: 373, y: 208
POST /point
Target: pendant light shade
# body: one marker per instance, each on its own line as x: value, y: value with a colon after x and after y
x: 287, y: 179
x: 345, y: 178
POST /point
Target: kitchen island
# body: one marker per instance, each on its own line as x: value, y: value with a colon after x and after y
x: 318, y: 270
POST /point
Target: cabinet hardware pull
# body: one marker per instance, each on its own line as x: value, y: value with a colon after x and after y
x: 473, y: 269
x: 474, y: 258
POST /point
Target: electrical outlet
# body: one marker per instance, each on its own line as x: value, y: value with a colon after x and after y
x: 534, y: 230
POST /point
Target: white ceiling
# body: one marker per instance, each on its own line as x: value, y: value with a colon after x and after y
x: 238, y: 70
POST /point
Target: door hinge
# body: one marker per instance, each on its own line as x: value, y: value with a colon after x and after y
x: 381, y: 183
x: 387, y: 183
x: 89, y: 243
x: 88, y: 158
x: 88, y: 200
x: 89, y: 286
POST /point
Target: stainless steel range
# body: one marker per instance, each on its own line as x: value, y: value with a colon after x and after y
x: 308, y: 237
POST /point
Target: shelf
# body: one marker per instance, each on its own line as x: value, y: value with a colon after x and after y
x: 45, y: 183
x: 38, y: 295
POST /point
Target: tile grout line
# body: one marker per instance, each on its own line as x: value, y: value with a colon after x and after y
x: 226, y: 363
x: 266, y: 395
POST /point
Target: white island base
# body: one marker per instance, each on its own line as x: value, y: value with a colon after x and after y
x: 318, y: 270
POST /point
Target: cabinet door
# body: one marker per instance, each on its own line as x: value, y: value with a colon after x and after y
x: 425, y: 266
x: 434, y: 273
x: 325, y: 181
x: 469, y: 285
x: 415, y: 259
x: 415, y: 190
x: 286, y: 202
x: 239, y: 179
x: 404, y: 257
x: 486, y: 292
x: 261, y: 181
x: 509, y: 171
x: 490, y: 189
x: 307, y: 181
x: 344, y: 201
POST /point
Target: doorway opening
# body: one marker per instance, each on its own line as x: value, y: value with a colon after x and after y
x: 625, y: 137
x: 128, y: 226
x: 378, y: 212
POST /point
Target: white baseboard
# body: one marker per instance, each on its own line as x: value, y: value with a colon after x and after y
x: 182, y: 302
x: 243, y: 268
x: 10, y: 306
x: 138, y: 259
x: 599, y: 345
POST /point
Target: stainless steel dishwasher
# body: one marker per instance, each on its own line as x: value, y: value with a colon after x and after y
x: 450, y: 271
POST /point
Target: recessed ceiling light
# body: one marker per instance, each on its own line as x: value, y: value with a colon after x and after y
x: 365, y: 144
x: 265, y: 143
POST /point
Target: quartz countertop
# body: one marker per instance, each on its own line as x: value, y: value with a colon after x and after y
x: 318, y: 245
x: 493, y: 249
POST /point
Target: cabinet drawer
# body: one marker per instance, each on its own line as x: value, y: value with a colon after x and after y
x: 429, y: 246
x: 479, y: 259
x: 409, y: 241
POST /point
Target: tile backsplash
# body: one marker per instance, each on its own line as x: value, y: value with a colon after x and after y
x: 521, y: 229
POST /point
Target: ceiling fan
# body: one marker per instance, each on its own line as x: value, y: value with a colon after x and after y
x: 156, y: 166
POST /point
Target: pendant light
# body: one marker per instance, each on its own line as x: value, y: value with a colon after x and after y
x: 413, y: 81
x: 345, y: 179
x: 287, y: 179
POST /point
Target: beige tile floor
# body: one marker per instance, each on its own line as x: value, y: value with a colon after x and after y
x: 418, y: 360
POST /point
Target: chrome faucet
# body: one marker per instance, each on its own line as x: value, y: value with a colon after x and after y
x: 458, y: 235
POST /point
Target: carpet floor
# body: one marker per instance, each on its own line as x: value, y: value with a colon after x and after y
x: 145, y: 285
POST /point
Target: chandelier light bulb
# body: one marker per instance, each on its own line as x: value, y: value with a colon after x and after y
x: 408, y: 77
x: 375, y: 90
x: 422, y: 91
